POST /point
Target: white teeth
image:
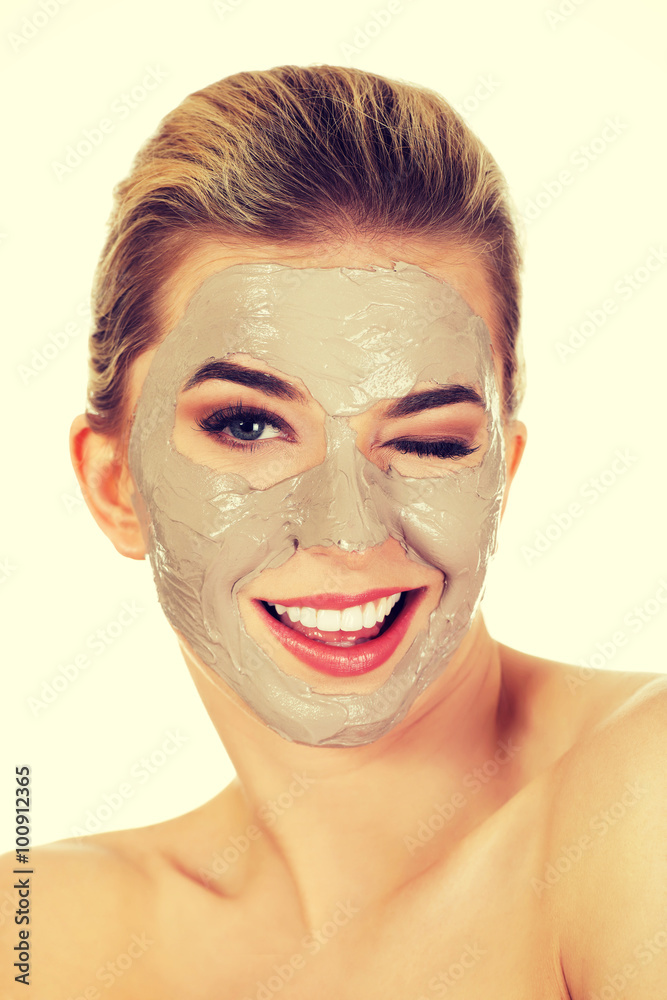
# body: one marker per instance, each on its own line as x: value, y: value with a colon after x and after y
x: 369, y: 615
x: 347, y: 620
x: 346, y: 643
x: 328, y: 621
x: 352, y: 619
x: 309, y: 617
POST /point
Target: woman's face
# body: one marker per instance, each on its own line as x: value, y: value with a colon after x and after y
x: 320, y: 472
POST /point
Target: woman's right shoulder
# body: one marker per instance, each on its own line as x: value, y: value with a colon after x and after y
x: 81, y: 905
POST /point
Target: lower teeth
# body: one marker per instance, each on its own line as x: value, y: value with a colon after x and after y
x: 355, y: 642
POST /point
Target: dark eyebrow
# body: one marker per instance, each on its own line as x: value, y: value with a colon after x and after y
x: 229, y: 371
x: 444, y: 395
x: 272, y: 385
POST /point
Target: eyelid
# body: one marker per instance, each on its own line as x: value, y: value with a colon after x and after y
x: 458, y: 430
x: 466, y: 413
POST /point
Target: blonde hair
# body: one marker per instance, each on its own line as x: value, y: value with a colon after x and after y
x: 297, y: 156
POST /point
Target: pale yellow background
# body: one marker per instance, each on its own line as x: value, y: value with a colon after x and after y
x: 535, y: 92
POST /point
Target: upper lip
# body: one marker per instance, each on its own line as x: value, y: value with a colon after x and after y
x: 336, y: 601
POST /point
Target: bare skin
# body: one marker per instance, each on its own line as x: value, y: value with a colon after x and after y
x: 440, y: 860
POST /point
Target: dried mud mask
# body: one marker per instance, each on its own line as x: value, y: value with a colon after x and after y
x: 354, y: 337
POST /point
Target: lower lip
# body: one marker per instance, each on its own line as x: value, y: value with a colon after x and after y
x: 340, y: 661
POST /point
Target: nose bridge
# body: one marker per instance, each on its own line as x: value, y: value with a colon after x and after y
x: 344, y: 512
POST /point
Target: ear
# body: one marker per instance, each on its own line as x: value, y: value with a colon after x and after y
x: 107, y: 487
x: 516, y: 434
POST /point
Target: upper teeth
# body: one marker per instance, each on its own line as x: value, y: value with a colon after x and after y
x: 347, y: 620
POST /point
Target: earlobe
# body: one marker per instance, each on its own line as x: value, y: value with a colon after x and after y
x: 107, y: 488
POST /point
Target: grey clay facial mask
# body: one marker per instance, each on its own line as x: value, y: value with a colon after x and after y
x: 354, y: 337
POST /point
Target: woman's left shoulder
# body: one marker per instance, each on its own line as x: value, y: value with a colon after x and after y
x: 568, y: 709
x: 606, y: 865
x: 618, y: 725
x: 626, y: 711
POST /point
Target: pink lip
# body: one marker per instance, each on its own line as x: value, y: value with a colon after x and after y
x: 337, y: 601
x: 351, y: 660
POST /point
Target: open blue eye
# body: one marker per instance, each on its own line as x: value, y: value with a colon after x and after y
x: 243, y: 424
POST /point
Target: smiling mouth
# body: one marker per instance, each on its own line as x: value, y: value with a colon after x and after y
x: 343, y: 628
x: 346, y: 640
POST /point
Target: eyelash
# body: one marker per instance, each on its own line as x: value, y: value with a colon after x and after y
x: 216, y: 422
x: 434, y: 449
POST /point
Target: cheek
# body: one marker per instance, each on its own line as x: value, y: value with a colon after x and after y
x: 451, y: 523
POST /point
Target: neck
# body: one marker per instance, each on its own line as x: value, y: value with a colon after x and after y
x: 355, y: 821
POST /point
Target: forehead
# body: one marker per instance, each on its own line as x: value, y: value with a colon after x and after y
x: 353, y: 336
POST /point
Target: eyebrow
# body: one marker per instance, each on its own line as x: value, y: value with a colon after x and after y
x: 229, y: 371
x: 273, y: 385
x: 429, y: 399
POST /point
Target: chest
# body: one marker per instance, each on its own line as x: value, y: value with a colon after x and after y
x: 457, y: 932
x: 474, y: 924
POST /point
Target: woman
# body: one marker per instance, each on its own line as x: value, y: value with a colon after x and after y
x: 304, y: 386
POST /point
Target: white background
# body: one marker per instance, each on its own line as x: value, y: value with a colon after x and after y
x: 544, y: 93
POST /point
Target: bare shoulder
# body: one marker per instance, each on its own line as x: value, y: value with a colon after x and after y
x: 623, y: 736
x: 581, y: 694
x: 85, y: 910
x: 606, y: 865
x: 98, y: 907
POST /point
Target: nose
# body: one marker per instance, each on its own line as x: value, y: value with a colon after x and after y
x: 354, y: 528
x: 342, y: 510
